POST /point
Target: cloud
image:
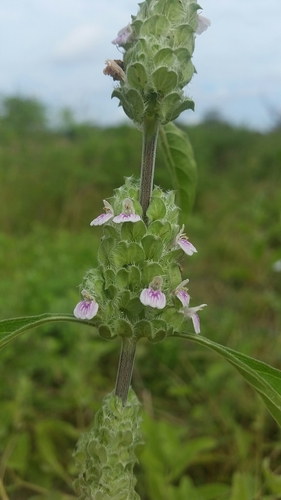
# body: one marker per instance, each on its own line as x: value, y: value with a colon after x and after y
x: 79, y: 45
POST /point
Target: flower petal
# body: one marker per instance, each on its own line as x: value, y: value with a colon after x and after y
x: 196, y: 322
x: 203, y: 24
x: 153, y: 298
x: 123, y: 36
x: 186, y: 246
x: 126, y: 218
x: 101, y: 219
x: 86, y: 309
x: 191, y: 312
x: 183, y: 296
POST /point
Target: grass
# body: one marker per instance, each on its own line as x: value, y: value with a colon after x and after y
x: 53, y: 379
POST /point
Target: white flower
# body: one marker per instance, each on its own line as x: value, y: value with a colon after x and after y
x: 203, y: 24
x: 191, y: 312
x: 87, y: 308
x: 182, y: 241
x: 128, y: 214
x: 181, y: 293
x: 123, y: 36
x: 103, y: 218
x: 153, y: 296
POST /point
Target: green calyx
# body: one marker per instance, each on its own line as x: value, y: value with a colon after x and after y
x: 157, y: 60
x: 103, y: 475
x: 133, y: 256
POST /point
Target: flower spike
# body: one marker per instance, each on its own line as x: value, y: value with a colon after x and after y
x: 87, y: 308
x: 103, y: 218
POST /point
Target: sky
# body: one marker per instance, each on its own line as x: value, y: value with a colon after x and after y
x: 54, y: 50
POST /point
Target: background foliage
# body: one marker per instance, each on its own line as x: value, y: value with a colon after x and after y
x: 208, y: 434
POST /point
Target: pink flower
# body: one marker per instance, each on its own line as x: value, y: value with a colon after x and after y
x: 87, y: 308
x: 128, y: 214
x: 103, y: 218
x: 182, y: 241
x: 203, y: 24
x: 181, y: 293
x: 153, y: 296
x: 191, y: 312
x: 124, y: 36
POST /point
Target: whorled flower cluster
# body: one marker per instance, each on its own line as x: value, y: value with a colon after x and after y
x: 116, y: 431
x: 137, y: 289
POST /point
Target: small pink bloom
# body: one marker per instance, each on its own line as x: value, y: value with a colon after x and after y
x: 203, y: 24
x: 181, y: 293
x: 87, y: 308
x: 191, y: 312
x: 124, y: 36
x: 103, y: 218
x: 126, y: 218
x: 153, y: 296
x: 183, y: 296
x: 128, y: 214
x: 182, y: 241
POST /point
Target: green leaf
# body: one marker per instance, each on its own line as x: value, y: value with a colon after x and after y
x: 178, y: 156
x: 273, y: 481
x: 152, y: 246
x: 156, y: 209
x: 133, y: 231
x: 128, y: 253
x: 49, y: 439
x: 164, y: 57
x: 137, y: 76
x: 243, y: 486
x: 164, y: 81
x: 136, y: 101
x: 161, y: 229
x: 265, y: 379
x: 155, y: 24
x: 12, y: 328
x: 150, y: 270
x: 123, y: 327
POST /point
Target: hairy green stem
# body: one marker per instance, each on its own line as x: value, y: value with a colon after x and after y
x: 128, y: 349
x: 125, y: 368
x: 149, y: 144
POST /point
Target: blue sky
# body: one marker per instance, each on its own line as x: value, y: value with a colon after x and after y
x: 55, y: 50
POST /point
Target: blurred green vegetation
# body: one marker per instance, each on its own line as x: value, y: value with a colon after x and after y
x: 208, y: 434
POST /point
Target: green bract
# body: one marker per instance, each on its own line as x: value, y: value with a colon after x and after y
x: 157, y: 60
x: 131, y: 256
x: 105, y: 456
